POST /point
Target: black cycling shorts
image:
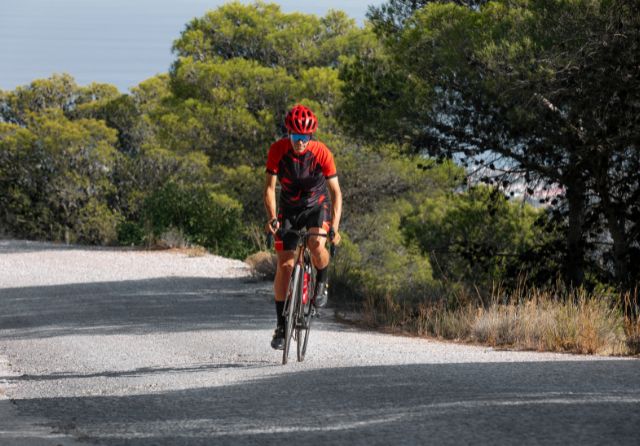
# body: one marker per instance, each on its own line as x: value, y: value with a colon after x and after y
x: 315, y: 217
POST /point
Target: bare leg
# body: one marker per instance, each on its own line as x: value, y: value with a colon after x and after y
x: 283, y: 274
x: 318, y: 247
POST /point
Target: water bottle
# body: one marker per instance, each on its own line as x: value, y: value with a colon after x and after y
x: 305, y: 287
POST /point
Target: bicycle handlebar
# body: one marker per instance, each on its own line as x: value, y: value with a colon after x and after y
x: 281, y: 232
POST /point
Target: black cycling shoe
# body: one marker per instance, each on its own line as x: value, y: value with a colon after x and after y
x: 277, y: 343
x: 321, y: 297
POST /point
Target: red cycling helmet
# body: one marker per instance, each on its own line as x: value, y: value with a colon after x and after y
x: 301, y: 120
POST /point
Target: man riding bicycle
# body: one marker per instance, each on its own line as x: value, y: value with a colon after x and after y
x: 308, y: 178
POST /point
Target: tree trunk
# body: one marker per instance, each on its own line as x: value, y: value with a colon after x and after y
x: 616, y: 223
x: 575, y: 236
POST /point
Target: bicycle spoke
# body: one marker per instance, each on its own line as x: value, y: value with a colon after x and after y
x: 304, y: 314
x: 294, y: 286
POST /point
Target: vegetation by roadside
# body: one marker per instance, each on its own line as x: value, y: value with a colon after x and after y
x: 574, y: 322
x: 562, y: 320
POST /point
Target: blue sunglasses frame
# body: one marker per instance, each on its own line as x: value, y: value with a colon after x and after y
x: 295, y: 137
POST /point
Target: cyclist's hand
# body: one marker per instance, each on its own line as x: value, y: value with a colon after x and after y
x: 334, y: 237
x: 272, y: 226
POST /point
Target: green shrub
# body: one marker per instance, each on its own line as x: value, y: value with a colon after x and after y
x: 475, y: 237
x: 244, y: 184
x: 375, y: 266
x: 96, y: 224
x: 206, y: 218
x: 130, y: 233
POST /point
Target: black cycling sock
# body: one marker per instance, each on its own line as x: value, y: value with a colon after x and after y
x: 322, y: 275
x: 279, y: 311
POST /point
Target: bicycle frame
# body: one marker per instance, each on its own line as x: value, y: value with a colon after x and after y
x: 298, y: 309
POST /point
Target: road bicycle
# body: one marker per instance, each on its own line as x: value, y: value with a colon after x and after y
x: 299, y: 309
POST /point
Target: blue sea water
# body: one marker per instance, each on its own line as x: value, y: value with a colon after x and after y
x: 120, y: 42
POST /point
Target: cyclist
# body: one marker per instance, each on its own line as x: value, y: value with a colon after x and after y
x: 310, y: 197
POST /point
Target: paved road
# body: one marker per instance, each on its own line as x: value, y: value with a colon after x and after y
x: 124, y: 348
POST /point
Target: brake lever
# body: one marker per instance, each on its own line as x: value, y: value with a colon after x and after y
x: 269, y: 241
x: 274, y: 224
x: 332, y: 248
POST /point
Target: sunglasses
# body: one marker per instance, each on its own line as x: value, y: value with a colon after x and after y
x: 295, y: 137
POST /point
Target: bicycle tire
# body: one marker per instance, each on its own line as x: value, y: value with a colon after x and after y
x: 304, y: 317
x: 290, y: 310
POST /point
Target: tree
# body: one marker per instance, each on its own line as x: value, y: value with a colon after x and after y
x: 230, y: 110
x: 58, y: 91
x: 378, y: 262
x: 56, y: 178
x: 543, y: 85
x: 205, y: 217
x: 477, y: 238
x: 262, y: 33
x: 239, y: 69
x: 389, y: 19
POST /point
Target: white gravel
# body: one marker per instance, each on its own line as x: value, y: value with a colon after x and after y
x: 25, y: 263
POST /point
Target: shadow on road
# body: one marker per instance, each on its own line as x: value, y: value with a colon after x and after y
x: 139, y: 372
x: 584, y: 402
x: 125, y: 307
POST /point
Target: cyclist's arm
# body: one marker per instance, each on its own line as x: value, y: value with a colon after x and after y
x: 336, y: 202
x: 269, y: 196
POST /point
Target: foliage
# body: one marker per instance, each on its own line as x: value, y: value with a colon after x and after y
x: 377, y: 94
x: 376, y: 262
x: 205, y: 217
x: 227, y: 110
x: 476, y: 237
x: 244, y: 184
x: 262, y: 33
x: 137, y: 177
x: 56, y: 178
x: 130, y: 233
x: 238, y: 70
x: 390, y: 18
x: 370, y: 176
x: 215, y: 112
x: 393, y: 266
x: 546, y: 84
x: 57, y: 92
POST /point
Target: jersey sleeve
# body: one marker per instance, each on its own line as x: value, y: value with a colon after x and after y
x: 273, y: 158
x: 328, y: 164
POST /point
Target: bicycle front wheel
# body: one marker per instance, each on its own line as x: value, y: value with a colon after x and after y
x: 304, y: 318
x: 293, y: 297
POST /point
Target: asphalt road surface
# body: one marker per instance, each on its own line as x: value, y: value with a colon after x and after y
x: 113, y: 347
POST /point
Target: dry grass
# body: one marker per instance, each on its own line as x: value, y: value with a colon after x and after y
x: 172, y: 238
x: 262, y: 264
x: 535, y: 320
x: 192, y: 251
x: 631, y: 324
x: 582, y: 326
x: 632, y: 329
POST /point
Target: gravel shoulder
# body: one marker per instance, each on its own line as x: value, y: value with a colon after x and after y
x: 114, y: 347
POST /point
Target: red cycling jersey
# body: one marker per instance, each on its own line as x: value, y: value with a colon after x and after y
x: 302, y: 175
